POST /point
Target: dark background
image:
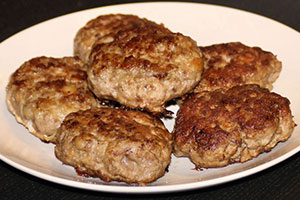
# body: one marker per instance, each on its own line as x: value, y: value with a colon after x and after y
x: 278, y: 182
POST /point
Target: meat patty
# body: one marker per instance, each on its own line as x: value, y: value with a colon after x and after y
x: 115, y: 145
x: 221, y: 127
x: 144, y: 68
x: 44, y: 90
x: 231, y: 64
x: 103, y: 30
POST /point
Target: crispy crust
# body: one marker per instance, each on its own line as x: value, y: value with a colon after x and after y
x: 44, y: 89
x: 104, y: 29
x: 231, y: 64
x: 217, y: 128
x: 144, y: 67
x: 115, y: 144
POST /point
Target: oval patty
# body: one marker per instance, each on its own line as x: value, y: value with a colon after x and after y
x: 44, y: 90
x: 115, y: 145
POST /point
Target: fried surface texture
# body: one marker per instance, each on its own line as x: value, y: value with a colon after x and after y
x: 104, y: 29
x: 115, y: 145
x: 221, y: 127
x: 44, y: 90
x: 144, y: 67
x: 231, y: 64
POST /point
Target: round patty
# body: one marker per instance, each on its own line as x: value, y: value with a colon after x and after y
x: 44, y: 90
x: 220, y: 127
x: 231, y: 64
x: 103, y: 30
x: 144, y: 68
x: 113, y: 144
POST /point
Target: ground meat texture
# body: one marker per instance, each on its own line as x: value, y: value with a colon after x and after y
x: 144, y: 68
x: 44, y: 90
x: 115, y: 145
x: 103, y: 30
x: 221, y: 127
x: 231, y: 64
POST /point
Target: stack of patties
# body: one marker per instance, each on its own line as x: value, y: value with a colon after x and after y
x: 229, y: 117
x: 141, y: 65
x: 138, y: 63
x: 225, y: 114
x: 51, y: 98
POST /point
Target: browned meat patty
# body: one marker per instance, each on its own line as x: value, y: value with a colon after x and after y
x: 115, y: 145
x: 220, y: 127
x: 103, y: 30
x: 231, y: 64
x: 44, y: 90
x: 144, y: 68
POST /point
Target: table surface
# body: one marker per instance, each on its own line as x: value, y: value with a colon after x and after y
x: 281, y: 181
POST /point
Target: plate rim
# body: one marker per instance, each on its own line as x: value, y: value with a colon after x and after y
x: 148, y: 188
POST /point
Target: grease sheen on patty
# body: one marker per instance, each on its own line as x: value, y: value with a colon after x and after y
x: 221, y: 127
x: 44, y: 90
x: 145, y: 67
x: 231, y: 64
x: 115, y: 145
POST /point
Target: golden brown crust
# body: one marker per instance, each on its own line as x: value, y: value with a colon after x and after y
x: 115, y: 144
x: 44, y: 89
x: 104, y: 29
x: 231, y: 64
x: 144, y: 67
x: 221, y: 127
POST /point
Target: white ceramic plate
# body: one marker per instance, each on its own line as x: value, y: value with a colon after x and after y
x: 206, y: 24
